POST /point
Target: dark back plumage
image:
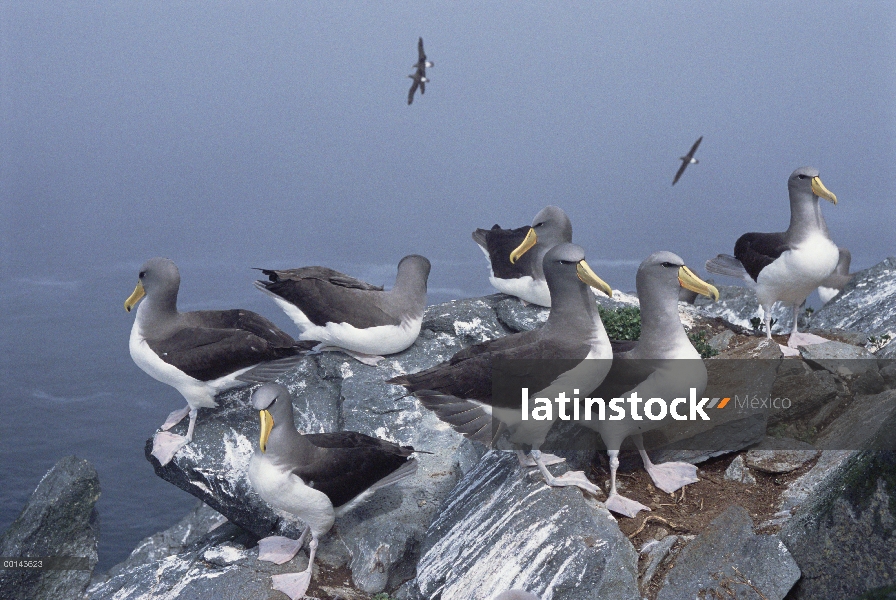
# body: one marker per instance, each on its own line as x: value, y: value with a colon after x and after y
x: 499, y: 243
x: 755, y: 251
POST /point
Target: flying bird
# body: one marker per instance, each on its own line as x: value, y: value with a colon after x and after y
x: 419, y: 76
x: 687, y: 159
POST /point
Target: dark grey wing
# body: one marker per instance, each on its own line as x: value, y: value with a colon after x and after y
x: 422, y: 87
x: 207, y: 353
x: 350, y: 463
x: 693, y: 149
x: 624, y: 376
x: 684, y: 165
x: 755, y: 251
x: 241, y: 319
x: 421, y: 55
x: 499, y: 243
x: 413, y: 89
x: 321, y: 273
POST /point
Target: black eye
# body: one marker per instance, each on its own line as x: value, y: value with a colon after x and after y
x: 567, y: 262
x: 802, y: 176
x: 539, y: 224
x: 142, y: 274
x: 667, y: 264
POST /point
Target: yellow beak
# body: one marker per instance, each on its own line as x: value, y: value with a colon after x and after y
x: 531, y: 240
x: 822, y: 192
x: 588, y: 276
x: 134, y: 298
x: 267, y: 423
x: 689, y: 281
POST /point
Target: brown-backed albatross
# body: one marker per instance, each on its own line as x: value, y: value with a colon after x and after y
x: 315, y: 477
x: 198, y: 353
x: 515, y: 256
x: 788, y: 265
x: 344, y: 313
x: 460, y: 391
x: 662, y: 364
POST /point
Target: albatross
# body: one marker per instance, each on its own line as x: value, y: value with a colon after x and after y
x: 419, y: 76
x: 315, y: 477
x: 687, y: 159
x: 787, y: 266
x: 516, y: 256
x: 347, y: 314
x: 198, y: 353
x: 460, y: 391
x: 662, y: 364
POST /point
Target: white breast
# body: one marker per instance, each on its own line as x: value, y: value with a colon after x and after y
x: 525, y: 288
x: 794, y: 274
x: 287, y: 492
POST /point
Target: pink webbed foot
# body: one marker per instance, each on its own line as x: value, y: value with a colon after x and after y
x: 293, y: 585
x: 672, y: 476
x: 798, y: 339
x: 278, y: 549
x: 165, y: 445
x: 624, y: 506
x: 546, y: 459
x: 175, y: 417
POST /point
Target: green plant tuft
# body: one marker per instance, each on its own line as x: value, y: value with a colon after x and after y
x: 621, y: 323
x: 698, y: 339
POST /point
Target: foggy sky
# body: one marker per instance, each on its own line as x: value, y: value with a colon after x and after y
x: 279, y: 135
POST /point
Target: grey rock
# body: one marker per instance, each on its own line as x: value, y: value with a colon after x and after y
x: 806, y: 391
x: 726, y: 553
x: 59, y: 520
x: 380, y: 540
x: 738, y: 471
x: 844, y: 535
x: 737, y: 305
x: 503, y: 528
x: 779, y: 455
x: 721, y: 341
x: 516, y: 316
x: 516, y: 595
x: 839, y: 358
x: 867, y: 303
x: 654, y: 554
x: 197, y: 523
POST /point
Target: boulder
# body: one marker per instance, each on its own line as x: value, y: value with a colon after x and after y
x: 728, y: 560
x: 775, y: 455
x: 737, y: 305
x: 866, y: 304
x: 502, y: 527
x: 59, y: 521
x: 737, y: 471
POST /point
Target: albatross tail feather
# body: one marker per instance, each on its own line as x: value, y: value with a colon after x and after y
x: 725, y: 264
x: 464, y: 416
x: 269, y: 371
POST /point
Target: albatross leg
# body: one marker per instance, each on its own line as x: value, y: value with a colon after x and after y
x: 668, y: 476
x: 367, y: 359
x: 615, y: 502
x: 295, y: 585
x: 166, y: 444
x: 797, y: 339
x: 576, y: 478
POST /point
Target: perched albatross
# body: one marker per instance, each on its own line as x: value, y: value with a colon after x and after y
x: 516, y: 256
x: 837, y: 280
x: 315, y: 477
x: 198, y: 353
x: 344, y: 313
x: 663, y: 364
x: 787, y: 266
x: 460, y: 391
x: 687, y: 159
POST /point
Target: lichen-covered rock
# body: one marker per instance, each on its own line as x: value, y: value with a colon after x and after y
x: 866, y: 304
x: 502, y: 528
x: 59, y: 520
x: 779, y: 455
x: 724, y: 557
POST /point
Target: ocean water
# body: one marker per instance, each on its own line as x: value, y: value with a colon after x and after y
x: 69, y: 385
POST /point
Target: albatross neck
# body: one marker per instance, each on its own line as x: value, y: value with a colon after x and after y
x: 805, y: 216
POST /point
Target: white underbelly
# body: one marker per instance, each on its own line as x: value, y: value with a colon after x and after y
x: 794, y: 274
x: 525, y: 288
x: 287, y: 492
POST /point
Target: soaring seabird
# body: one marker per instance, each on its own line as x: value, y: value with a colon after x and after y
x: 460, y: 391
x: 199, y: 353
x: 344, y: 313
x: 663, y: 364
x: 837, y: 280
x: 316, y: 477
x: 515, y: 256
x: 787, y: 266
x: 419, y: 76
x: 687, y: 159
